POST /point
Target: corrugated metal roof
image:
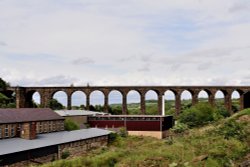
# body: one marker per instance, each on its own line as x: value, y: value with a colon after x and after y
x: 64, y: 113
x: 12, y: 115
x: 13, y: 145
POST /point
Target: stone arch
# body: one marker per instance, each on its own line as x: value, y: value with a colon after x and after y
x: 96, y: 100
x: 133, y: 102
x: 151, y: 98
x: 169, y: 102
x: 203, y: 96
x: 186, y: 99
x: 235, y: 97
x: 30, y: 97
x: 78, y: 100
x: 115, y: 102
x: 219, y: 97
x: 61, y: 96
x: 36, y: 98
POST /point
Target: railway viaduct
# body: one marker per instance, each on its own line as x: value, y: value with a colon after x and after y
x: 24, y: 95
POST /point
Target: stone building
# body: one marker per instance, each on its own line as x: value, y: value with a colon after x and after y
x: 27, y: 122
x: 34, y: 136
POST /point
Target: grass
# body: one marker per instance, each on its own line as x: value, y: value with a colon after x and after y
x: 204, y: 146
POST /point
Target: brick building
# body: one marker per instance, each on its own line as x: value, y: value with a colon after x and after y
x: 27, y: 122
x: 49, y: 140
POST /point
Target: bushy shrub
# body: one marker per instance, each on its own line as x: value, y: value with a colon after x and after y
x: 70, y: 125
x: 200, y: 114
x: 123, y: 132
x: 65, y: 154
x: 179, y: 128
x: 232, y: 129
x: 112, y: 137
x: 222, y: 111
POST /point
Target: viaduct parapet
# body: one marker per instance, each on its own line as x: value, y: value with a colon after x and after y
x: 24, y: 95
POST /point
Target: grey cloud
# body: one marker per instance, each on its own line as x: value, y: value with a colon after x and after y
x: 204, y: 66
x: 239, y: 7
x: 145, y: 68
x: 125, y: 59
x: 146, y: 58
x: 3, y: 43
x: 83, y: 60
x: 57, y: 80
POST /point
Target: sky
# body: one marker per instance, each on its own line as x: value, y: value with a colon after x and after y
x: 124, y: 42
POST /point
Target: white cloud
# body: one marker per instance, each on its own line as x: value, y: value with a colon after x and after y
x: 124, y: 42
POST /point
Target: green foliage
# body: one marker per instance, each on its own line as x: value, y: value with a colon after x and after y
x: 123, y: 132
x: 65, y: 154
x: 70, y: 125
x: 112, y: 137
x: 222, y: 111
x: 232, y: 129
x: 179, y: 127
x: 200, y: 114
x: 55, y: 105
x: 3, y: 85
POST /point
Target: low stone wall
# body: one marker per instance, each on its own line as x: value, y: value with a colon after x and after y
x: 156, y: 134
x: 80, y: 147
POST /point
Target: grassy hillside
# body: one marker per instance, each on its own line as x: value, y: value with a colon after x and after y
x: 222, y: 143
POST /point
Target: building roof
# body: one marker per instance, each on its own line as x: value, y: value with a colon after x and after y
x: 14, y: 145
x: 12, y: 115
x: 65, y: 113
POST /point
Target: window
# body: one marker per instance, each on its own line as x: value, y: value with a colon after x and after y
x: 12, y: 132
x: 62, y: 125
x: 45, y: 126
x: 54, y: 126
x: 6, y: 131
x: 40, y: 127
x: 0, y: 132
x: 50, y: 126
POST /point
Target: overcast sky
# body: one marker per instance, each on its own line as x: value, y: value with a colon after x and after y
x: 125, y: 42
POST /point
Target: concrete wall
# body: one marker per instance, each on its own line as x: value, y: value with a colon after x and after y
x: 156, y: 134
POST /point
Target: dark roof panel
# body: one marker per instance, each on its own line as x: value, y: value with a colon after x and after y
x: 11, y: 115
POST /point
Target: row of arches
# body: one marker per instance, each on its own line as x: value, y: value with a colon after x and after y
x: 79, y: 98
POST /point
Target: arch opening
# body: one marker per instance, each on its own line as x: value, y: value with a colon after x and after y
x: 36, y: 100
x: 169, y: 100
x: 246, y: 103
x: 219, y: 99
x: 203, y: 96
x: 96, y: 101
x: 133, y: 102
x: 115, y: 102
x: 78, y: 99
x: 235, y: 101
x: 59, y: 100
x: 186, y: 100
x: 151, y: 99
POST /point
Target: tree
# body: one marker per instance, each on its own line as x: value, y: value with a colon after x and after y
x: 55, y: 105
x: 3, y: 85
x: 70, y: 125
